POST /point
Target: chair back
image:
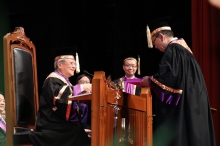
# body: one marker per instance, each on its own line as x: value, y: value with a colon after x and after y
x: 20, y: 80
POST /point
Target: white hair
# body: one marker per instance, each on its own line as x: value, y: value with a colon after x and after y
x: 57, y: 61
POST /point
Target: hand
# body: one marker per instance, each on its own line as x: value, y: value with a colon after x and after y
x: 145, y: 81
x: 87, y: 87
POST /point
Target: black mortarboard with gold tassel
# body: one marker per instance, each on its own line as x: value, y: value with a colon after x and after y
x: 155, y: 26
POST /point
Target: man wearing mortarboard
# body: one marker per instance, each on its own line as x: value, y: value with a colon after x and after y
x: 183, y: 115
x: 56, y: 121
x: 131, y: 64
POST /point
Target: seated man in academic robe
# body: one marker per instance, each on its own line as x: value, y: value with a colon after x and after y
x: 58, y: 119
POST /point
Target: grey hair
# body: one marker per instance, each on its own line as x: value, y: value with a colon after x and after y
x: 168, y: 33
x: 56, y: 62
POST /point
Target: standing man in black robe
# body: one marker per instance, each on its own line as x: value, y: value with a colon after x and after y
x: 182, y: 108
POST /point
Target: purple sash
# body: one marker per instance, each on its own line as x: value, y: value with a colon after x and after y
x: 2, y: 124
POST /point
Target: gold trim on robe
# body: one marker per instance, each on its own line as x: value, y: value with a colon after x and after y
x: 179, y: 91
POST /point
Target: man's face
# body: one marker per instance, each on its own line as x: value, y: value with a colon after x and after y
x: 158, y: 42
x: 130, y: 67
x: 67, y: 68
x: 2, y: 103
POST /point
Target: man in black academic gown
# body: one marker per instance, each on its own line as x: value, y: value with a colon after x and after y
x: 181, y: 105
x: 131, y: 65
x: 57, y: 123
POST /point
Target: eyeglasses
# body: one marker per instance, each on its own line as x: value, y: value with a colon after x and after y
x: 130, y: 65
x: 83, y: 82
x: 155, y: 38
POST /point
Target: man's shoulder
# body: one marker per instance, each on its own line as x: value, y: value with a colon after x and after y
x: 176, y: 45
x: 55, y: 77
x: 180, y: 44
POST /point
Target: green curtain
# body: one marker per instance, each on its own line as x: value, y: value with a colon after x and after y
x: 4, y: 28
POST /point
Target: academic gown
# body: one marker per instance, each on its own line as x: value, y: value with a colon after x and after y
x: 128, y: 87
x: 2, y: 132
x: 182, y: 109
x: 53, y: 126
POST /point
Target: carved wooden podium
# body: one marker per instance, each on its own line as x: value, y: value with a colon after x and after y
x: 135, y: 112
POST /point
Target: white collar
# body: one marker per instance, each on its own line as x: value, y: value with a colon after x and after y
x: 130, y: 77
x: 175, y: 38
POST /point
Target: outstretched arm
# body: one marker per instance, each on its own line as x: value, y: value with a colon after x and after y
x: 145, y: 81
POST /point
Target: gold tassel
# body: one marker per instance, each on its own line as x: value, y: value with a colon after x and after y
x: 149, y: 40
x: 77, y: 63
x: 139, y: 65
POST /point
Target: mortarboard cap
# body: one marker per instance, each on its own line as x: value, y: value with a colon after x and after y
x: 132, y: 56
x: 83, y: 75
x: 67, y: 53
x: 155, y: 26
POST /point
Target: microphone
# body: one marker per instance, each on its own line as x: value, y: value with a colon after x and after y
x: 86, y: 72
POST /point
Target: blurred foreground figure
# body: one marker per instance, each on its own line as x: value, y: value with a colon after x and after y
x: 2, y: 121
x: 215, y: 3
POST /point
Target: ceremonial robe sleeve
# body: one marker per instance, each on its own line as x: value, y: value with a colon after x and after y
x: 77, y: 89
x: 171, y: 74
x: 56, y: 95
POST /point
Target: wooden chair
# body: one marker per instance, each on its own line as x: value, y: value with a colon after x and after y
x: 21, y: 87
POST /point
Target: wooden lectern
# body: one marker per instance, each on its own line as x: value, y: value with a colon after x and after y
x: 136, y: 111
